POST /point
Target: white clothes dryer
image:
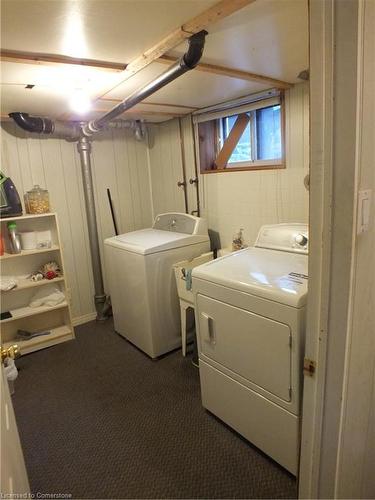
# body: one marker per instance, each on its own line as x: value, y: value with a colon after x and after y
x: 250, y: 315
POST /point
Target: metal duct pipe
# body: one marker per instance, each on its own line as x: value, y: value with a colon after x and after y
x: 84, y: 150
x: 46, y: 126
x: 187, y: 62
x: 81, y: 133
x: 67, y: 130
x: 138, y: 127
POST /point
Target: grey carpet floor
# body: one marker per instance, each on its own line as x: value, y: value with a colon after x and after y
x: 99, y: 419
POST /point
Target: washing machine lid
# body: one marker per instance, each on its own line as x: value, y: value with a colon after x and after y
x: 270, y: 274
x: 148, y: 241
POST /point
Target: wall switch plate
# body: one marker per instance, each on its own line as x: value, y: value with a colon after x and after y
x: 363, y: 212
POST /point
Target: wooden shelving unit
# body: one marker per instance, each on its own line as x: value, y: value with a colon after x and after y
x: 24, y: 253
x: 56, y: 319
x: 57, y: 335
x: 24, y: 283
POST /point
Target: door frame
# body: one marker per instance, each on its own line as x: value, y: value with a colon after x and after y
x: 320, y: 224
x: 336, y: 36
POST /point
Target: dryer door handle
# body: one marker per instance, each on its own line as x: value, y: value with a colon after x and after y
x: 208, y: 329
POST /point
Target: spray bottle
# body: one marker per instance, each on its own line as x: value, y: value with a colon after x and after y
x: 14, y: 238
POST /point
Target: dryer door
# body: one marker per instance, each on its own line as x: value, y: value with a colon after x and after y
x: 252, y: 346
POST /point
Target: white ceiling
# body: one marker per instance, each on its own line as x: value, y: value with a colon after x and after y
x: 269, y: 37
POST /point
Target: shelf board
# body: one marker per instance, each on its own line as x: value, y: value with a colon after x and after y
x: 27, y: 216
x: 25, y: 253
x: 23, y: 284
x: 25, y: 312
x: 57, y: 335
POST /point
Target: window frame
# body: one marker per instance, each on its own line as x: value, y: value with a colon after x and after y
x: 245, y: 165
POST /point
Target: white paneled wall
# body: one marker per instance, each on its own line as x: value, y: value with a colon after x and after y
x: 119, y: 163
x: 143, y: 176
x: 236, y: 199
x: 251, y: 198
x: 166, y: 167
x: 166, y: 147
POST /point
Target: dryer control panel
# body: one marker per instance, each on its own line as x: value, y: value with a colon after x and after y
x: 286, y: 237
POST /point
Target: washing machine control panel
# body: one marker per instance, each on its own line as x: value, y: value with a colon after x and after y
x: 180, y: 223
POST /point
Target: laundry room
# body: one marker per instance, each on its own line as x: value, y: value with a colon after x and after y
x: 155, y: 193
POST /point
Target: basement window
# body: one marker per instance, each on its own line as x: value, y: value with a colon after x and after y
x: 248, y: 137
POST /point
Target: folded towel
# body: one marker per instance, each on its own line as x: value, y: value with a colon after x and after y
x: 49, y: 296
x: 7, y: 284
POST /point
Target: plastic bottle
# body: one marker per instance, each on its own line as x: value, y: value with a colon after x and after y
x: 14, y: 238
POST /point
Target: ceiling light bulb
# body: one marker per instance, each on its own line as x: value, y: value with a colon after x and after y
x: 80, y: 102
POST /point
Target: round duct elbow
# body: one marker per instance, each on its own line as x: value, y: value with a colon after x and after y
x: 32, y: 123
x: 39, y: 125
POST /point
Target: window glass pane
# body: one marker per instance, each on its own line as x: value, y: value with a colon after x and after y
x: 268, y: 133
x: 242, y: 152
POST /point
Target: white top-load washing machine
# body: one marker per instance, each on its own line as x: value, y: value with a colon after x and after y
x: 250, y: 316
x: 141, y: 279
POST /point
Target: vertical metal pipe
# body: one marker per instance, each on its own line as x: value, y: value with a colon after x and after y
x: 84, y: 149
x: 183, y: 164
x: 198, y: 211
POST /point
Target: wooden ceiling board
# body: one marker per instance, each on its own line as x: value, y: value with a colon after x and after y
x: 194, y: 88
x: 42, y: 101
x: 108, y: 30
x: 38, y: 101
x: 62, y: 77
x: 268, y: 37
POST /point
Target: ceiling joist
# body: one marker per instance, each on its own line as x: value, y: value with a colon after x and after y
x: 151, y: 103
x: 16, y: 56
x: 233, y: 73
x: 49, y: 59
x: 130, y: 113
x: 219, y: 11
x: 195, y: 25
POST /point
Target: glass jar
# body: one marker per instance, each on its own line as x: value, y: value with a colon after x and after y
x: 37, y: 201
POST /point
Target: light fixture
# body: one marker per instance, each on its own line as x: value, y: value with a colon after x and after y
x: 79, y: 102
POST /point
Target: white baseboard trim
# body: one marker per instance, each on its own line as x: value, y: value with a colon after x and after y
x: 79, y: 320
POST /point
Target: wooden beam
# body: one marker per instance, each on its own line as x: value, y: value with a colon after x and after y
x: 231, y: 141
x: 47, y: 59
x: 151, y: 113
x: 233, y: 73
x: 130, y: 113
x: 137, y: 112
x: 211, y: 15
x: 198, y: 23
x: 52, y: 59
x: 149, y: 103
